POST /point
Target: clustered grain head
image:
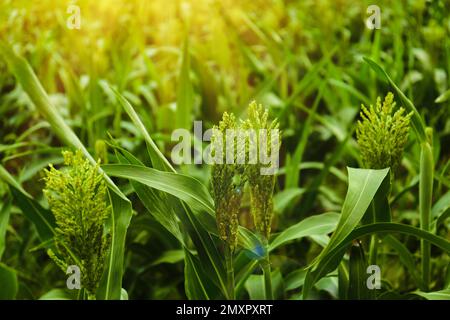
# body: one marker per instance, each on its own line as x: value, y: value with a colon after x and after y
x: 228, y: 180
x: 226, y: 185
x: 77, y: 195
x: 382, y: 134
x: 261, y: 186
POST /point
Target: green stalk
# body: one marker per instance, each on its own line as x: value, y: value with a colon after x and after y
x: 265, y: 264
x: 230, y: 272
x: 373, y: 250
x: 82, y: 294
x: 381, y: 212
x: 424, y: 136
x: 425, y: 202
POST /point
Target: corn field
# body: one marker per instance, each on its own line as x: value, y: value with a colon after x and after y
x: 225, y: 150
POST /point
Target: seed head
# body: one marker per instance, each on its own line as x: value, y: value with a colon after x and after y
x: 382, y: 134
x: 261, y: 186
x: 77, y: 198
x: 226, y: 183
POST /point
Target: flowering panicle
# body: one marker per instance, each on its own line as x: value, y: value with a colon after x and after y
x: 226, y: 182
x: 382, y: 134
x: 77, y: 196
x: 261, y: 186
x: 229, y: 177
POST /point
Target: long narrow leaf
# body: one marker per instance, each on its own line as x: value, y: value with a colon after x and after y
x: 204, y: 243
x: 184, y: 187
x: 315, y: 225
x: 363, y: 185
x: 331, y: 259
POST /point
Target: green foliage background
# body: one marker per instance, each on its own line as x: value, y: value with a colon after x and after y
x: 136, y: 70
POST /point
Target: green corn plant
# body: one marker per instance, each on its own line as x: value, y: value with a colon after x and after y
x: 227, y: 185
x: 423, y: 135
x: 382, y: 135
x: 261, y: 186
x: 78, y: 199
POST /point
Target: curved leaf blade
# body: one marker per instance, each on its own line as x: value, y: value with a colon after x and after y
x: 315, y: 225
x: 331, y: 260
x: 436, y: 295
x: 186, y: 188
x: 363, y: 185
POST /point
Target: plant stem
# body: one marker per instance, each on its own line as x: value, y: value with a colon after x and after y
x: 81, y: 294
x: 373, y: 250
x: 425, y: 199
x: 230, y: 273
x: 373, y: 239
x: 381, y: 212
x: 265, y: 264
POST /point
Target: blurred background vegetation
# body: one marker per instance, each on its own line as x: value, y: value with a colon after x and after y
x: 179, y: 61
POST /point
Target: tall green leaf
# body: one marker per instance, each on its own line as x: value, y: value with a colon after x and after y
x: 111, y: 284
x: 203, y: 241
x: 195, y: 195
x: 331, y: 259
x: 363, y: 185
x: 158, y: 160
x: 156, y: 202
x: 181, y: 186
